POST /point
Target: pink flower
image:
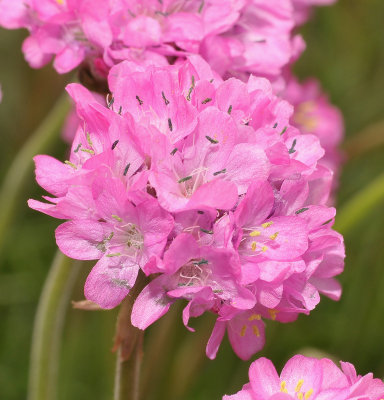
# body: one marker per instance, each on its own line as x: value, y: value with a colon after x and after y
x: 307, y: 378
x: 315, y: 115
x: 204, y: 186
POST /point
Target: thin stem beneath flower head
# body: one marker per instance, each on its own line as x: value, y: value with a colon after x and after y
x: 129, y: 343
x: 40, y: 140
x: 360, y: 205
x: 48, y: 326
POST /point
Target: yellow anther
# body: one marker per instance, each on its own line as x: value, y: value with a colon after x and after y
x: 253, y: 246
x: 89, y: 139
x: 255, y: 330
x: 70, y: 164
x: 254, y: 316
x: 243, y: 330
x: 255, y: 233
x: 60, y: 1
x: 299, y: 385
x: 264, y: 248
x: 272, y: 313
x: 267, y: 224
x: 283, y: 387
x: 308, y: 394
x: 116, y: 217
x: 300, y: 396
x: 274, y: 236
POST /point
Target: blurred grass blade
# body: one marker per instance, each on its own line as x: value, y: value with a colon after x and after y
x: 359, y: 207
x: 39, y: 142
x: 48, y: 326
x: 365, y: 141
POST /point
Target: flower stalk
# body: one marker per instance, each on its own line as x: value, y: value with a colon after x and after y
x: 129, y: 346
x: 47, y: 332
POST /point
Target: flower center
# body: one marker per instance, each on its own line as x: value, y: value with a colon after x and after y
x: 300, y: 395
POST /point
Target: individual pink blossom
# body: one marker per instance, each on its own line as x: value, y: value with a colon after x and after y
x: 315, y: 115
x: 306, y: 378
x: 204, y: 186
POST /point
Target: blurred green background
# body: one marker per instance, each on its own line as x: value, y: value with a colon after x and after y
x: 345, y: 51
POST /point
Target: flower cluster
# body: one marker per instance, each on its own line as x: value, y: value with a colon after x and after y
x: 234, y: 36
x: 307, y: 378
x: 204, y: 186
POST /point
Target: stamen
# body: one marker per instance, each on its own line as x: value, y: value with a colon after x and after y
x: 206, y: 231
x: 88, y: 151
x: 327, y: 222
x: 89, y: 139
x: 200, y: 212
x: 223, y: 171
x: 139, y: 100
x: 292, y: 149
x: 308, y: 394
x: 110, y: 102
x: 214, y: 141
x: 300, y: 396
x: 70, y: 164
x: 275, y: 126
x: 255, y: 233
x: 301, y: 210
x: 267, y: 224
x: 77, y: 148
x: 120, y: 110
x: 253, y: 246
x: 243, y: 330
x: 202, y: 261
x: 113, y: 255
x: 173, y: 152
x: 264, y: 249
x: 255, y: 330
x: 283, y: 387
x: 201, y: 7
x: 116, y: 217
x: 274, y: 236
x: 229, y: 109
x: 191, y: 88
x: 207, y: 100
x: 126, y: 169
x: 187, y: 178
x: 114, y: 144
x: 284, y: 130
x: 299, y: 385
x: 254, y: 317
x: 272, y: 312
x: 170, y: 124
x: 166, y: 101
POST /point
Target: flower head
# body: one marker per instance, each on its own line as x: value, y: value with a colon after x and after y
x: 305, y: 378
x: 203, y: 185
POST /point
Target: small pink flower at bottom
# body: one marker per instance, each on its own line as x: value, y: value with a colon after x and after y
x: 305, y: 378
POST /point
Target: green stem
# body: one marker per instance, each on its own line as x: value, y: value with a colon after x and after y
x: 41, y: 140
x: 129, y: 343
x: 127, y: 378
x: 48, y: 328
x: 360, y: 205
